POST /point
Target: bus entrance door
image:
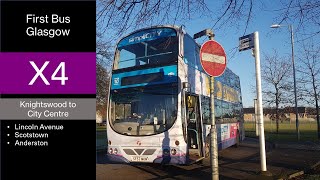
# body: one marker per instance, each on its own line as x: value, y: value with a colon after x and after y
x: 195, y: 136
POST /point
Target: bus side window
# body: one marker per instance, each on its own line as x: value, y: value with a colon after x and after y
x: 189, y: 50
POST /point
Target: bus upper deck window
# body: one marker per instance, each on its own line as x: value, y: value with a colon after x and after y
x: 147, y: 47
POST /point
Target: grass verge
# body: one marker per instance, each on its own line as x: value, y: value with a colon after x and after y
x: 287, y: 131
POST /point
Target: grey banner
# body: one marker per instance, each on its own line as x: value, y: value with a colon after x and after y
x: 0, y: 148
x: 38, y: 109
x: 0, y: 36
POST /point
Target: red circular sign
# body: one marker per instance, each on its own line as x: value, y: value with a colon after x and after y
x: 213, y: 58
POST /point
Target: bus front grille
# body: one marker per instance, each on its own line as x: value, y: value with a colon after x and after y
x: 139, y: 151
x: 149, y: 152
x: 129, y: 151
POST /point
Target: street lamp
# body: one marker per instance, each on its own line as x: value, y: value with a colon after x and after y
x: 294, y: 74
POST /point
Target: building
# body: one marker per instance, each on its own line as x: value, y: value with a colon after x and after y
x: 285, y: 114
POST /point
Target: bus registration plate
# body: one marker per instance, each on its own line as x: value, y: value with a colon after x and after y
x: 139, y: 159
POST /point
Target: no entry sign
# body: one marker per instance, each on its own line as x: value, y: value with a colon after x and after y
x: 213, y: 58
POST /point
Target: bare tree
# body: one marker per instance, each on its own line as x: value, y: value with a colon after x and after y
x: 102, y: 88
x: 124, y: 14
x: 303, y: 12
x: 102, y: 84
x: 121, y: 15
x: 233, y: 13
x: 104, y: 51
x: 276, y: 72
x: 103, y: 64
x: 117, y: 17
x: 310, y: 76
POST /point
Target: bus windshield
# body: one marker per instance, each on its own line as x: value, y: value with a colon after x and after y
x: 147, y: 47
x: 143, y: 110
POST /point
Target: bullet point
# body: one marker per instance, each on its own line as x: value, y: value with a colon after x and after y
x: 8, y: 127
x: 8, y: 134
x: 8, y: 142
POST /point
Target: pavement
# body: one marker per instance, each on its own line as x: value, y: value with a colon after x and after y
x: 284, y: 161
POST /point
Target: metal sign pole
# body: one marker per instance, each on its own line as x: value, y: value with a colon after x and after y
x: 259, y: 104
x: 248, y: 42
x: 214, y: 61
x: 213, y: 133
x: 255, y: 117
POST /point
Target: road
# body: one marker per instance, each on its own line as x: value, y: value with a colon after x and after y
x: 229, y: 160
x: 283, y: 161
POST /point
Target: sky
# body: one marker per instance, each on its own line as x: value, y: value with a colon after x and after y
x: 243, y: 63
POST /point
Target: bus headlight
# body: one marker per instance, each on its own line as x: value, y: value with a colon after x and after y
x: 173, y: 151
x: 115, y: 151
x: 110, y: 151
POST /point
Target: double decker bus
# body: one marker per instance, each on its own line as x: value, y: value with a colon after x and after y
x: 159, y: 100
